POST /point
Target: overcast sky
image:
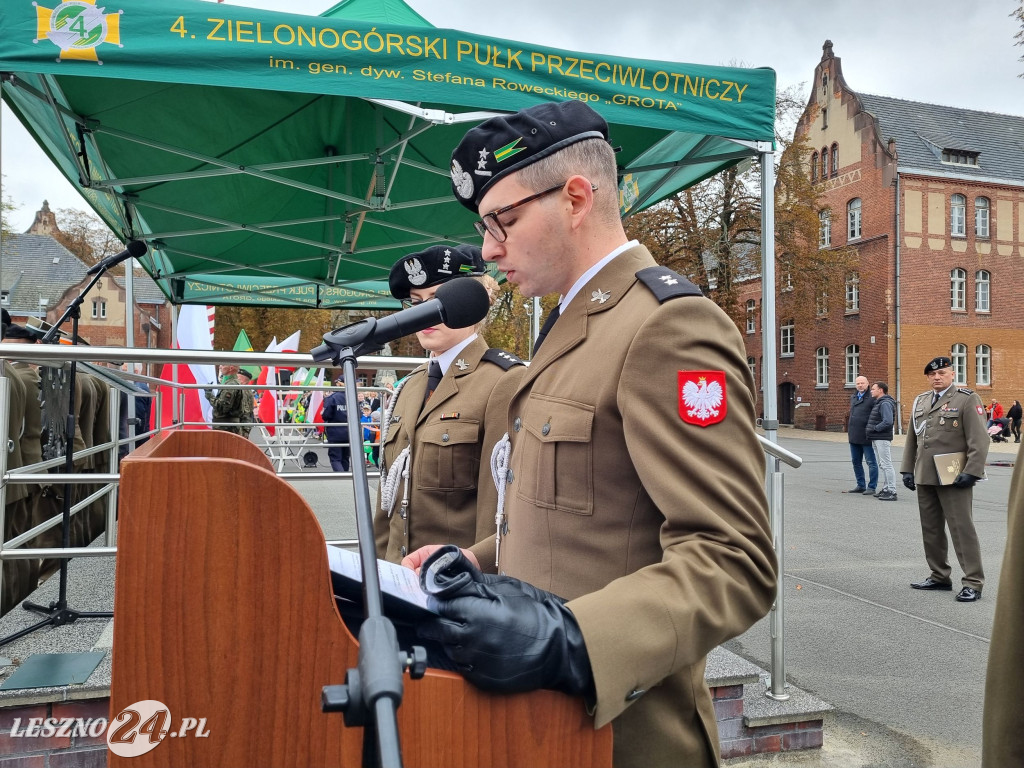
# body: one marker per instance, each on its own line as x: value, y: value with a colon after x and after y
x: 939, y: 51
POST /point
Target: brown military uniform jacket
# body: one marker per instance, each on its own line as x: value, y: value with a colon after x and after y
x: 1002, y: 740
x: 452, y: 498
x: 955, y: 423
x: 655, y: 529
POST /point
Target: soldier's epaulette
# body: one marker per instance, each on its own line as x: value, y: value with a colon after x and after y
x: 965, y: 390
x: 502, y: 358
x: 666, y: 284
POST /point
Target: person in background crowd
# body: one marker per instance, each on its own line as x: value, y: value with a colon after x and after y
x: 944, y: 422
x: 879, y: 430
x: 1014, y: 415
x: 335, y: 416
x: 860, y: 443
x: 248, y: 414
x: 227, y: 403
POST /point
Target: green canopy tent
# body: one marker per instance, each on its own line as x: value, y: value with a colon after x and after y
x: 289, y: 160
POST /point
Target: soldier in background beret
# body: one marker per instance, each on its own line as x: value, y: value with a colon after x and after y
x: 947, y: 422
x: 443, y: 419
x: 432, y: 267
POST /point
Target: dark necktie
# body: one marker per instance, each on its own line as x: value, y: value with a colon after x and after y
x: 545, y: 328
x: 935, y: 397
x: 433, y: 379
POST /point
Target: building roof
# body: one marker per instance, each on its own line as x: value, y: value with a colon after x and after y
x: 37, y: 269
x: 144, y: 290
x: 922, y: 131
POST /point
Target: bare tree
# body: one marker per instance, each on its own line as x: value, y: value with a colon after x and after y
x: 86, y: 236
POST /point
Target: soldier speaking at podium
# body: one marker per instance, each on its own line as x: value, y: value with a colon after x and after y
x: 631, y: 484
x: 947, y: 423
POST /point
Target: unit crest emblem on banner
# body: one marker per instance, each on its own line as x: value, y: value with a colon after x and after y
x: 702, y: 397
x: 78, y: 27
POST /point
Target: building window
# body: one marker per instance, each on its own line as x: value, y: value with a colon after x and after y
x: 821, y: 301
x: 824, y: 82
x: 982, y: 283
x: 786, y: 273
x: 835, y: 159
x: 821, y: 363
x: 958, y: 216
x: 99, y: 308
x: 853, y: 293
x: 787, y: 343
x: 853, y: 218
x: 814, y: 167
x: 983, y: 365
x: 824, y: 163
x: 959, y: 355
x: 958, y: 290
x: 825, y: 229
x: 959, y: 157
x: 751, y: 316
x: 852, y: 364
x: 752, y: 365
x: 824, y: 118
x: 981, y: 209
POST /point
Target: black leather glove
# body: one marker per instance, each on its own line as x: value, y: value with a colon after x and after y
x: 908, y: 480
x: 503, y: 634
x: 964, y: 480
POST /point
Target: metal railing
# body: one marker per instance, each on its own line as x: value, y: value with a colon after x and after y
x: 60, y: 354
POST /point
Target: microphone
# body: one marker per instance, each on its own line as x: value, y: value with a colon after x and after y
x: 457, y: 304
x: 134, y: 250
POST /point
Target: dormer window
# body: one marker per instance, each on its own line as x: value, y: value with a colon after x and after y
x: 959, y: 157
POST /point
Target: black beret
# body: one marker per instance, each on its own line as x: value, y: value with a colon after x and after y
x: 5, y: 317
x: 433, y: 266
x: 508, y: 143
x: 937, y: 363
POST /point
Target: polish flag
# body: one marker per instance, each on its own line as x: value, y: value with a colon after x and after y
x: 290, y: 345
x: 267, y: 409
x: 315, y: 412
x: 193, y: 333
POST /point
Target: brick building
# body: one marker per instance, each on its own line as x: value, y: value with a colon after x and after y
x: 40, y: 277
x: 932, y: 200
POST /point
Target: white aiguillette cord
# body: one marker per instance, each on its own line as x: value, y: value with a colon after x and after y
x: 499, y: 474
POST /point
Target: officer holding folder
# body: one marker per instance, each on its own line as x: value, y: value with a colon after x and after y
x: 943, y: 458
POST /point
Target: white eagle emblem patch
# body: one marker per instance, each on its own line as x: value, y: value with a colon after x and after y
x: 462, y: 181
x: 702, y: 397
x: 415, y: 273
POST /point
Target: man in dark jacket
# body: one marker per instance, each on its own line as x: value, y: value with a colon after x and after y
x: 336, y: 420
x: 860, y: 444
x: 879, y: 430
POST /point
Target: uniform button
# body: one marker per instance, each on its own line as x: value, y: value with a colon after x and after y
x: 444, y: 438
x: 545, y: 430
x: 509, y: 477
x: 635, y: 694
x: 517, y: 424
x: 403, y: 551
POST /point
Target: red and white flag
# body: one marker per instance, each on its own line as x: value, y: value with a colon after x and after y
x: 315, y: 412
x: 193, y: 332
x: 267, y: 409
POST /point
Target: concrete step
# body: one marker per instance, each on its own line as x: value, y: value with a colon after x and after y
x: 749, y: 722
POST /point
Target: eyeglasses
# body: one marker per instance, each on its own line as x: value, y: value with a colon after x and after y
x: 489, y: 224
x: 406, y: 303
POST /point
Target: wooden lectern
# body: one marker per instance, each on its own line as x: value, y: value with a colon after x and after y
x: 223, y: 610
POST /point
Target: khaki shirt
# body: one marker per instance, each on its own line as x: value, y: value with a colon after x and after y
x: 656, y: 529
x: 955, y: 423
x: 452, y: 498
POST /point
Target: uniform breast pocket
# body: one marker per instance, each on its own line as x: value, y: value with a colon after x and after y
x: 557, y: 455
x: 449, y: 456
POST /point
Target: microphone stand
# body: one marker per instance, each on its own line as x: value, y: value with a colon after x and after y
x: 58, y: 613
x: 372, y: 692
